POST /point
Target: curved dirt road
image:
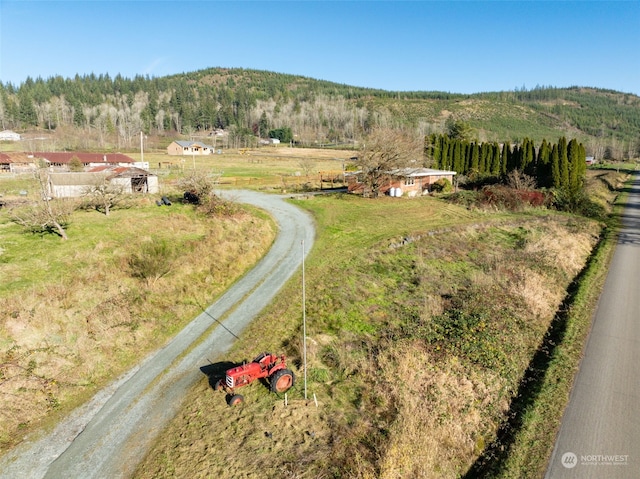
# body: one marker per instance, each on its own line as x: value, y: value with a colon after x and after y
x: 108, y: 436
x: 600, y: 433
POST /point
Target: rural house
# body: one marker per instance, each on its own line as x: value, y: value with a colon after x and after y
x: 404, y: 181
x: 188, y: 148
x: 415, y: 181
x: 8, y: 135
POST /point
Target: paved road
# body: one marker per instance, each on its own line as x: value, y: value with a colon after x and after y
x: 600, y: 433
x: 107, y: 437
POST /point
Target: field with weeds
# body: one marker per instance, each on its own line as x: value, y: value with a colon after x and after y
x: 75, y: 314
x: 269, y: 168
x: 422, y: 319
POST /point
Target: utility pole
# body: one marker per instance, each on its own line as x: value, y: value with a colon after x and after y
x: 141, y: 147
x: 304, y: 328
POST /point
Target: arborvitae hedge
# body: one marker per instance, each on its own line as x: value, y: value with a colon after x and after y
x: 561, y: 165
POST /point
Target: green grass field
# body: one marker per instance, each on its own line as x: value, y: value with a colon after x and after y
x: 422, y: 318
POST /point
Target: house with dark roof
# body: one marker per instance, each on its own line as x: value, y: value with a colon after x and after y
x: 188, y: 148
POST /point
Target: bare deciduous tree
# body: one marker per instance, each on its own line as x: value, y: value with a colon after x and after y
x: 104, y: 196
x: 47, y: 215
x: 200, y: 184
x: 384, y: 151
x: 308, y: 165
x: 520, y: 181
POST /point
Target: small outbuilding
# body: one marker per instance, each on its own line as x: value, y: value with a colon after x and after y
x: 16, y: 163
x: 75, y: 184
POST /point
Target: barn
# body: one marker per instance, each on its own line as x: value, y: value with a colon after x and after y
x: 75, y: 184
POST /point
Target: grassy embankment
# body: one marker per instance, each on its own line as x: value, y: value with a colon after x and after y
x: 526, y: 440
x: 422, y: 319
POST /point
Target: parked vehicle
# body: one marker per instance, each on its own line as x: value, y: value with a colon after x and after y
x: 265, y: 366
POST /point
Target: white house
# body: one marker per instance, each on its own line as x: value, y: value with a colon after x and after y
x: 188, y: 148
x: 8, y: 135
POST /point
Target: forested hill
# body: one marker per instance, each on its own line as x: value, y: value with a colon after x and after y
x: 250, y: 103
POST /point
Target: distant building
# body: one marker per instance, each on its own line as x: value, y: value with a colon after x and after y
x: 16, y: 163
x: 404, y: 181
x: 188, y: 148
x: 8, y: 135
x: 5, y: 163
x: 76, y: 184
x: 88, y: 160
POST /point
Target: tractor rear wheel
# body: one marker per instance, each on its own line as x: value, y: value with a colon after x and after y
x: 236, y: 399
x: 282, y: 381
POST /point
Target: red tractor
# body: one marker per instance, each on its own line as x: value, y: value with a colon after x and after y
x: 266, y: 365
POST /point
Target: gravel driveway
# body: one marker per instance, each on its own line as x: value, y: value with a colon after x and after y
x: 108, y: 436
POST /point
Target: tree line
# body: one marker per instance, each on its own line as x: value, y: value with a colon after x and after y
x: 250, y: 103
x: 560, y: 165
x: 247, y: 104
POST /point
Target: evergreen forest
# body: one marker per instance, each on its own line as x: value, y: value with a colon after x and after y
x: 110, y: 112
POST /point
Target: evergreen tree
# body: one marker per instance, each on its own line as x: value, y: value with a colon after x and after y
x: 556, y: 176
x: 494, y: 154
x: 27, y: 112
x: 544, y: 176
x: 458, y: 162
x: 446, y: 163
x: 506, y: 157
x: 564, y: 162
x: 528, y: 157
x: 577, y: 166
x: 263, y: 125
x: 484, y: 166
x: 79, y: 118
x: 475, y: 158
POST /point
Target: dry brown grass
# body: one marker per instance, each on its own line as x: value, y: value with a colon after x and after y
x: 391, y: 405
x: 87, y: 319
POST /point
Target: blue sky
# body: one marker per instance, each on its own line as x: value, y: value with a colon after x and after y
x: 454, y: 46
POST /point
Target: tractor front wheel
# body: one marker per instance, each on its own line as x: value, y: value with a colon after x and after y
x: 236, y: 399
x: 219, y: 385
x: 282, y: 381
